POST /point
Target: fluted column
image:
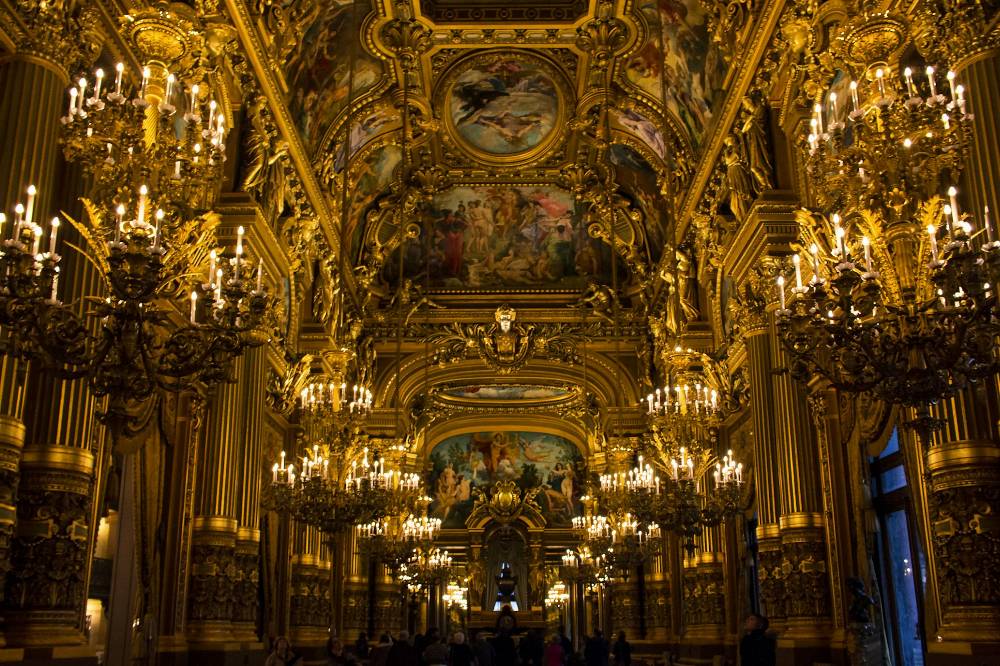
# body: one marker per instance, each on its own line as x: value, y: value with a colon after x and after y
x: 354, y: 605
x: 211, y: 597
x: 308, y: 619
x: 32, y: 87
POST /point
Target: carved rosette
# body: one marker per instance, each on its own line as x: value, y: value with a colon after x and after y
x: 45, y: 588
x: 806, y: 584
x: 964, y: 502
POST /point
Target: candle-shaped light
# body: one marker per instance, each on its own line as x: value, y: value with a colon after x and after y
x: 97, y: 87
x: 932, y: 233
x: 818, y: 111
x: 841, y: 236
x: 72, y: 102
x: 55, y: 285
x: 953, y: 200
x: 908, y: 75
x: 986, y: 222
x: 260, y: 278
x: 156, y: 230
x: 29, y: 213
x: 53, y: 230
x: 194, y: 99
x: 218, y: 287
x: 930, y: 81
x: 879, y: 75
x: 119, y: 71
x: 960, y: 100
x: 211, y: 113
x: 194, y: 306
x: 37, y: 230
x: 951, y: 85
x: 854, y: 96
x: 946, y: 121
x: 18, y: 221
x: 866, y: 244
x: 833, y: 106
x: 814, y: 249
x: 781, y: 290
x: 797, y: 262
x: 170, y: 88
x: 141, y: 216
x: 145, y: 82
x: 119, y: 215
x: 82, y: 84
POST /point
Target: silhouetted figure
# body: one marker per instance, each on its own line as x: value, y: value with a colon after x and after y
x: 361, y: 646
x: 461, y: 653
x: 282, y: 654
x: 756, y: 647
x: 566, y: 643
x: 531, y: 648
x: 483, y: 649
x: 596, y: 651
x: 554, y: 653
x: 379, y: 655
x: 402, y: 653
x: 622, y: 651
x: 506, y: 652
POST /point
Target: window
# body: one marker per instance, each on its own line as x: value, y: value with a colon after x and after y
x: 900, y: 565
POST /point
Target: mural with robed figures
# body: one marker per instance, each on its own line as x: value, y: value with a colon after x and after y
x: 506, y: 237
x: 464, y: 463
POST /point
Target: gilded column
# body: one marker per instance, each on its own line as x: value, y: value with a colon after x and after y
x: 657, y: 599
x: 308, y: 618
x: 246, y: 605
x: 211, y: 597
x: 354, y: 605
x: 803, y: 528
x: 625, y: 608
x: 704, y: 594
x: 32, y: 87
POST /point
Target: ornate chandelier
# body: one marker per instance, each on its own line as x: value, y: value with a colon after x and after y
x: 319, y: 494
x: 622, y: 538
x: 393, y: 539
x: 424, y: 568
x: 149, y: 234
x: 557, y: 596
x: 456, y: 595
x: 901, y: 299
x: 333, y: 413
x: 584, y: 566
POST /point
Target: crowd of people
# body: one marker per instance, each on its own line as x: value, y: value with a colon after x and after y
x: 433, y: 649
x: 757, y: 648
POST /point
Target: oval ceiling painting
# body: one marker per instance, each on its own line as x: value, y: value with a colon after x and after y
x: 512, y: 392
x: 503, y: 106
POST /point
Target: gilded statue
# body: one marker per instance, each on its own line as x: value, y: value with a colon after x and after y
x: 687, y: 282
x: 599, y: 298
x: 737, y: 182
x: 755, y: 144
x: 326, y: 292
x: 264, y: 176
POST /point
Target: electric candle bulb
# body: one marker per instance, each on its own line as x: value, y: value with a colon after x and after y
x: 55, y: 285
x: 986, y: 222
x: 30, y: 213
x: 781, y: 290
x: 796, y: 261
x: 814, y: 249
x: 145, y: 82
x: 119, y: 215
x: 119, y: 69
x: 953, y: 200
x: 141, y: 216
x: 930, y: 81
x: 260, y: 284
x: 82, y: 83
x: 156, y: 230
x: 865, y: 243
x: 72, y: 101
x: 932, y: 233
x: 854, y: 96
x: 52, y: 235
x: 38, y: 239
x: 194, y: 305
x: 18, y: 221
x: 833, y: 106
x: 170, y: 88
x: 194, y: 98
x: 818, y: 110
x: 951, y: 84
x: 97, y: 88
x: 945, y: 120
x: 879, y: 74
x: 908, y: 75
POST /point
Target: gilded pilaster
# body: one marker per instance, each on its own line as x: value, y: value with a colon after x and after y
x: 625, y: 608
x: 657, y: 610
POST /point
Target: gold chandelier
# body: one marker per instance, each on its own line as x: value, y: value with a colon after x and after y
x: 333, y: 497
x: 901, y: 300
x: 394, y: 538
x: 427, y: 567
x: 150, y: 233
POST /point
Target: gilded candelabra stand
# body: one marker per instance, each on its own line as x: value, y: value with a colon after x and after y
x: 394, y: 539
x: 894, y: 293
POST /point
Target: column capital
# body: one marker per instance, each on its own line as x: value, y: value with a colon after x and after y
x: 56, y: 35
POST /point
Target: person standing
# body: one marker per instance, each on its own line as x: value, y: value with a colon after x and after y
x: 402, y: 653
x: 622, y: 651
x: 436, y: 653
x: 596, y: 651
x: 483, y: 649
x: 282, y: 654
x: 554, y: 653
x: 460, y: 654
x: 756, y: 647
x: 567, y: 644
x: 380, y: 653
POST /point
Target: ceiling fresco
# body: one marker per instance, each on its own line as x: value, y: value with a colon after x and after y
x: 507, y: 392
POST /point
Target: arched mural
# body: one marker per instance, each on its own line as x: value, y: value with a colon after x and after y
x: 464, y: 463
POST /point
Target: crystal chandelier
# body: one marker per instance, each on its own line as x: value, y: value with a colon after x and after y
x: 900, y: 297
x: 456, y: 595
